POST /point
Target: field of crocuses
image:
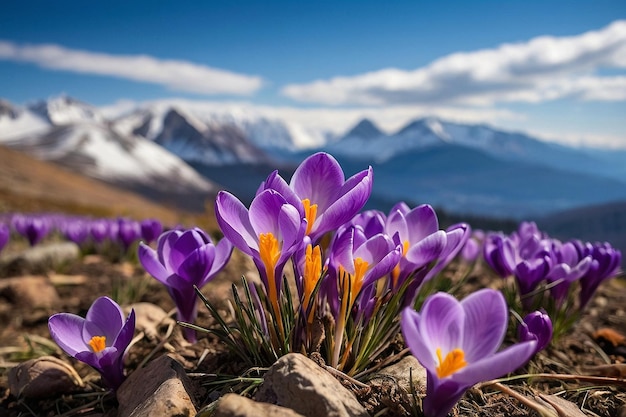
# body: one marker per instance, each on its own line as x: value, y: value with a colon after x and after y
x: 502, y: 324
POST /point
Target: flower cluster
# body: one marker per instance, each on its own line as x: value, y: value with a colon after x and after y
x: 354, y: 270
x: 560, y: 277
x: 360, y: 278
x: 84, y: 231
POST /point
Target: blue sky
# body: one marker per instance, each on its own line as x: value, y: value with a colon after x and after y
x: 556, y: 69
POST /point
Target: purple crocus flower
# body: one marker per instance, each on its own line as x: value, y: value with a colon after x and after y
x: 128, y: 232
x: 185, y: 259
x: 5, y: 233
x: 100, y: 230
x: 536, y: 326
x: 151, y: 229
x: 100, y: 339
x: 75, y: 230
x: 605, y: 263
x: 328, y: 199
x: 271, y: 231
x: 457, y: 343
x: 33, y: 228
x: 499, y: 253
x: 355, y: 263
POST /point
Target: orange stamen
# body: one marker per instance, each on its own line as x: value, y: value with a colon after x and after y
x: 312, y: 272
x: 455, y: 360
x: 395, y: 273
x: 310, y: 212
x: 97, y: 343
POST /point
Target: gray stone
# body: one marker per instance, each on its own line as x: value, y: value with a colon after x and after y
x: 43, y: 377
x: 233, y: 405
x: 297, y: 382
x: 41, y: 258
x: 399, y: 385
x: 162, y: 388
x: 402, y: 372
x: 34, y: 292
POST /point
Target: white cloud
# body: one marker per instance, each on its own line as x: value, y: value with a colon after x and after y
x: 544, y: 68
x: 174, y: 74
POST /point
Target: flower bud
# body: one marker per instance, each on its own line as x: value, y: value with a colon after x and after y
x: 536, y: 326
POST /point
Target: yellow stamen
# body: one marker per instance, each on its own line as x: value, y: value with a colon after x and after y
x: 312, y: 273
x: 269, y: 252
x: 455, y: 360
x: 98, y: 343
x: 310, y: 212
x: 353, y: 283
x: 395, y: 273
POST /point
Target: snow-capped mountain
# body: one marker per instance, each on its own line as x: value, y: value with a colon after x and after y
x: 192, y: 139
x: 424, y: 133
x: 77, y: 137
x: 218, y: 127
x: 179, y: 145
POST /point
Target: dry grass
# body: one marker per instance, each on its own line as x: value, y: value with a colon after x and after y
x: 29, y: 185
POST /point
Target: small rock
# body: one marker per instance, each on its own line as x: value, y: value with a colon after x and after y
x: 160, y: 389
x: 34, y: 292
x: 396, y: 385
x: 41, y: 258
x: 400, y: 373
x: 148, y: 318
x: 43, y: 377
x: 233, y: 405
x: 296, y: 382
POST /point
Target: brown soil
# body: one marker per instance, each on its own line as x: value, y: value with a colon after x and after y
x: 576, y: 353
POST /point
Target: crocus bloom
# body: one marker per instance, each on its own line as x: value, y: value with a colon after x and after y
x: 536, y: 326
x: 355, y: 263
x: 605, y: 263
x: 457, y: 343
x: 128, y: 231
x: 424, y: 246
x: 184, y: 259
x: 271, y: 231
x: 33, y: 228
x: 151, y: 229
x: 100, y: 339
x: 328, y: 199
x: 499, y: 253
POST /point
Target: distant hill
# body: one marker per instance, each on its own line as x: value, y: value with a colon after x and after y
x: 30, y: 185
x: 604, y: 223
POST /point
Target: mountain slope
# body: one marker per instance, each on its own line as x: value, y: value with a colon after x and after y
x: 30, y: 185
x: 80, y: 139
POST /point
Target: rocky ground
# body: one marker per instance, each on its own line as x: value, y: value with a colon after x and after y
x: 168, y: 376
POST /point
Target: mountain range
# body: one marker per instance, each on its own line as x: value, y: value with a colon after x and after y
x: 174, y: 149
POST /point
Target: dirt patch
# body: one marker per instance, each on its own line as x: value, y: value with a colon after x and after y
x: 587, y: 349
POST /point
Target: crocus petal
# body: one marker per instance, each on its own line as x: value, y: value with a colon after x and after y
x: 318, y: 178
x: 351, y: 198
x: 423, y: 221
x: 442, y: 323
x: 104, y: 318
x: 196, y: 265
x: 223, y: 251
x: 427, y: 249
x: 150, y: 261
x: 496, y: 365
x: 233, y: 219
x: 66, y: 330
x: 485, y: 323
x: 263, y: 212
x: 126, y: 333
x: 396, y: 224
